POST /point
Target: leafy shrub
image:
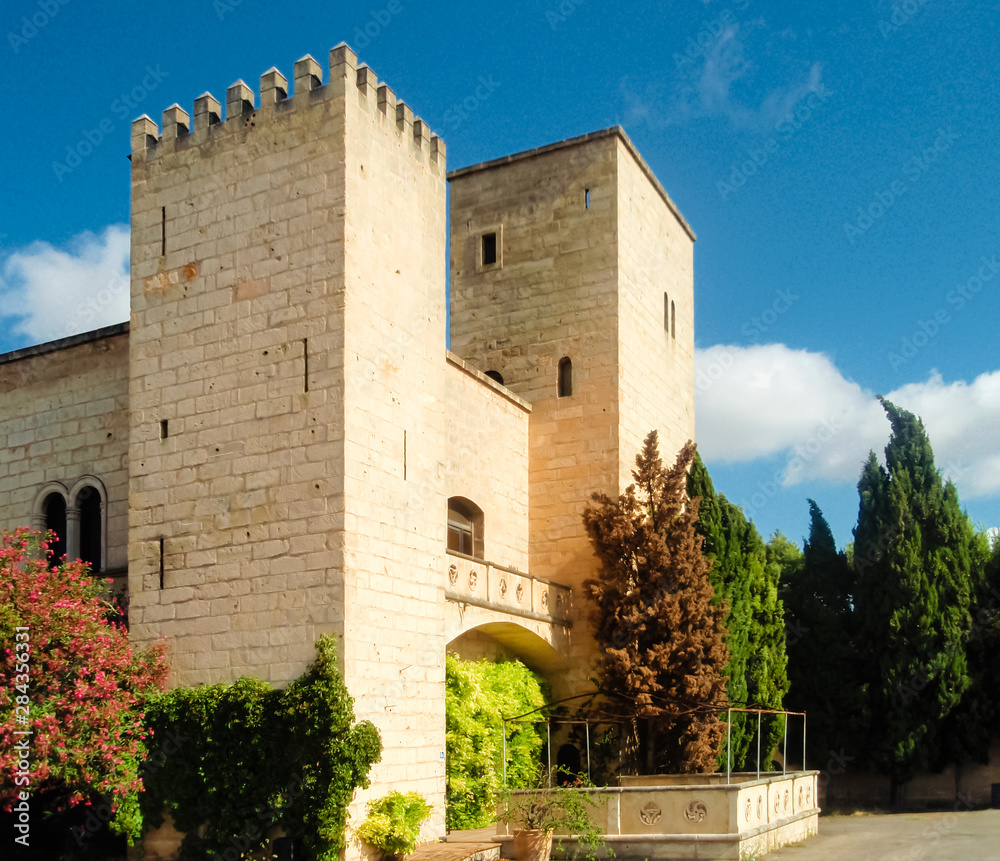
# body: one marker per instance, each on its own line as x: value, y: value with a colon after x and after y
x: 393, y: 823
x: 230, y: 762
x: 80, y: 692
x: 478, y: 695
x: 567, y: 807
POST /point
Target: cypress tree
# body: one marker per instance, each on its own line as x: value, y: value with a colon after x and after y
x: 822, y: 666
x: 969, y: 729
x: 767, y: 672
x: 746, y: 583
x: 659, y: 630
x: 913, y: 560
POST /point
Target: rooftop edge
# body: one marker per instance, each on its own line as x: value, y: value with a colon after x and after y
x: 64, y: 343
x: 613, y: 131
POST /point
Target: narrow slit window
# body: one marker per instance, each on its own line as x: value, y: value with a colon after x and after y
x: 161, y: 563
x: 565, y: 377
x: 489, y: 249
x: 305, y: 364
x: 164, y: 430
x: 666, y: 313
x: 163, y: 231
x: 673, y: 321
x: 586, y: 198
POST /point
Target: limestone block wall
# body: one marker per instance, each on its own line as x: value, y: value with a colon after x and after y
x: 656, y: 316
x: 551, y: 295
x: 65, y: 422
x: 236, y: 456
x: 487, y: 459
x: 395, y: 458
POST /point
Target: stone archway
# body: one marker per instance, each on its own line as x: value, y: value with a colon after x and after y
x: 509, y: 640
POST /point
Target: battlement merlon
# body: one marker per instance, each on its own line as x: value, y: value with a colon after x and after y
x: 274, y: 92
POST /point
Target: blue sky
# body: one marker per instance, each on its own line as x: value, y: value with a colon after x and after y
x: 839, y: 163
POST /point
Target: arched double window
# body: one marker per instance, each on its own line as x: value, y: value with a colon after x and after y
x: 465, y: 527
x: 78, y: 518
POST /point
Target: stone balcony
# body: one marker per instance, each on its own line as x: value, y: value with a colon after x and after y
x: 495, y: 587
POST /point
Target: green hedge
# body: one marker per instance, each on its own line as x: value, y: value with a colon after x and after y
x: 230, y: 761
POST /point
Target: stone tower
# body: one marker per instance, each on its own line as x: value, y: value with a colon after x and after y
x: 286, y: 427
x: 571, y: 278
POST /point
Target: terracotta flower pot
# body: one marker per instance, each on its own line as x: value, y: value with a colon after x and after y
x: 532, y: 845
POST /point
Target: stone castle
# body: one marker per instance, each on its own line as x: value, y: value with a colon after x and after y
x: 280, y: 443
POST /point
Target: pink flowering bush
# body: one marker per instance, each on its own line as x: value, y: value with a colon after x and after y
x: 82, y: 695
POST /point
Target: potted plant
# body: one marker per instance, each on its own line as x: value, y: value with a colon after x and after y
x: 536, y: 814
x: 393, y: 823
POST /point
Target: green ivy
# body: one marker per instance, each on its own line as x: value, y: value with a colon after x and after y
x: 231, y: 761
x: 478, y: 695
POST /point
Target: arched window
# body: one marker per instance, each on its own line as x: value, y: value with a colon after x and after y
x: 496, y: 376
x: 565, y: 377
x: 88, y: 500
x: 465, y: 527
x: 54, y: 512
x: 87, y: 522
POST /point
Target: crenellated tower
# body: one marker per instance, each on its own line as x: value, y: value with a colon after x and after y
x: 286, y: 421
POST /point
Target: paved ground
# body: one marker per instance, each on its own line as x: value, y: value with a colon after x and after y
x: 966, y: 836
x: 962, y: 836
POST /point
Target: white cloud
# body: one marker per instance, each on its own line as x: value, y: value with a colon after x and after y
x: 706, y: 88
x: 48, y: 293
x: 760, y: 401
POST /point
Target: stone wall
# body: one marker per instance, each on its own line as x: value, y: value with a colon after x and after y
x: 487, y: 459
x: 656, y: 356
x: 64, y: 426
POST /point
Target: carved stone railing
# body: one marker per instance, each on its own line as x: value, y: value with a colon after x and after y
x: 497, y: 587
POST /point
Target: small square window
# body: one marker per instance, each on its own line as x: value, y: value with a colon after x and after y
x: 489, y: 249
x: 488, y: 246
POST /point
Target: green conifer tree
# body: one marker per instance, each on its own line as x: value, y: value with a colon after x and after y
x: 822, y: 664
x: 745, y: 582
x: 913, y: 557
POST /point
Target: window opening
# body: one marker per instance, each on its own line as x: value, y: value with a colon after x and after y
x: 55, y: 519
x: 164, y: 431
x: 465, y: 527
x: 305, y: 364
x: 495, y: 375
x: 666, y: 313
x: 673, y: 321
x: 89, y: 503
x: 586, y: 198
x: 489, y: 248
x: 565, y: 377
